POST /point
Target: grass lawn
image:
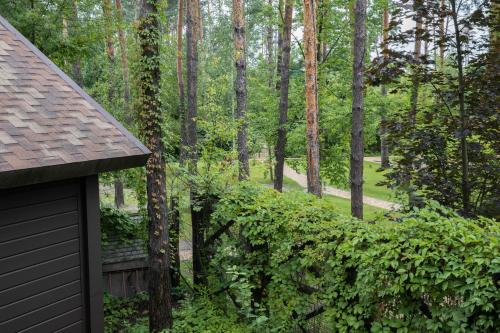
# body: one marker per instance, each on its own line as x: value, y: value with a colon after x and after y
x: 344, y: 206
x: 259, y: 173
x: 371, y: 178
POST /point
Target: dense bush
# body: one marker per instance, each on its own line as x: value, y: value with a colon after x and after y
x: 124, y: 314
x: 118, y: 224
x: 290, y: 257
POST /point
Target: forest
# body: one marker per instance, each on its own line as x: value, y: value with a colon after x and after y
x: 316, y: 165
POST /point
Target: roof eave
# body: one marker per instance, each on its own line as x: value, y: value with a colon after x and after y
x: 49, y: 173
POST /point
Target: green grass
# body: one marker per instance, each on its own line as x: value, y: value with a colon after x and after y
x: 344, y: 206
x: 371, y: 178
x: 259, y: 173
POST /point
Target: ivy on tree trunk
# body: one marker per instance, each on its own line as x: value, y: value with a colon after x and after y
x: 160, y: 304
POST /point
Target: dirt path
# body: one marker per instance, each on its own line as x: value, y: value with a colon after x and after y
x: 374, y: 159
x: 301, y: 179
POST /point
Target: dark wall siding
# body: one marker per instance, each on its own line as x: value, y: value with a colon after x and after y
x: 42, y: 259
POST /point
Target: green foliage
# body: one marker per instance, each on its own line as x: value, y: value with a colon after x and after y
x: 204, y: 316
x: 124, y: 314
x: 117, y: 223
x: 399, y: 275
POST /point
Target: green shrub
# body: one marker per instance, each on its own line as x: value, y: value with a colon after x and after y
x: 291, y: 256
x: 203, y: 316
x: 123, y: 314
x: 117, y: 223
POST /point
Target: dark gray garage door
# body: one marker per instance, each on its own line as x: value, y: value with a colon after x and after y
x: 41, y: 287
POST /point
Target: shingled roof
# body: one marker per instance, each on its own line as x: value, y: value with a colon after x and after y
x: 49, y: 127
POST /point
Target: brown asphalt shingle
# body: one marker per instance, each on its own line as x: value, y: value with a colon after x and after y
x: 45, y: 119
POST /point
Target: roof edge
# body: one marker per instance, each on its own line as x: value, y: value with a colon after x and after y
x: 55, y: 172
x: 73, y: 85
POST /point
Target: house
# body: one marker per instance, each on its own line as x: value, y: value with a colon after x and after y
x: 54, y: 141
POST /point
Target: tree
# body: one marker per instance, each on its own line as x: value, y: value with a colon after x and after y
x: 384, y: 147
x: 240, y: 87
x: 311, y: 71
x: 191, y: 136
x: 110, y: 51
x: 412, y: 116
x: 124, y: 59
x: 462, y: 110
x: 160, y: 304
x: 357, y: 109
x: 284, y: 83
x: 180, y: 82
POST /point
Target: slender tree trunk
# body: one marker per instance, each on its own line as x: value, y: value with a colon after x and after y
x: 191, y: 132
x: 124, y: 58
x: 269, y: 49
x: 279, y: 61
x: 384, y: 147
x: 180, y: 82
x: 110, y: 51
x: 108, y: 26
x: 412, y: 116
x: 240, y: 87
x: 174, y: 232
x: 72, y: 27
x: 284, y: 83
x: 160, y: 304
x: 442, y: 34
x: 119, y: 195
x: 312, y: 136
x: 463, y: 113
x: 357, y: 109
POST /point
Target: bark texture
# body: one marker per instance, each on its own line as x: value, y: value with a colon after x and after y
x: 180, y: 83
x: 284, y: 84
x: 240, y: 87
x: 281, y: 20
x: 384, y: 147
x: 122, y: 41
x: 311, y: 69
x: 119, y: 196
x: 191, y: 136
x: 412, y: 116
x: 442, y: 33
x: 464, y: 149
x: 174, y: 231
x: 357, y: 109
x: 160, y: 304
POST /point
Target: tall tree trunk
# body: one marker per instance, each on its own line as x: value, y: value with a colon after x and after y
x: 180, y: 82
x: 124, y: 58
x: 412, y: 116
x: 284, y: 83
x: 108, y: 27
x: 240, y: 87
x: 384, y: 147
x: 191, y: 132
x: 160, y: 304
x: 72, y: 27
x: 442, y: 33
x: 357, y: 109
x: 279, y: 61
x: 174, y: 237
x: 463, y: 112
x: 312, y: 136
x: 110, y: 51
x: 119, y: 195
x: 269, y: 49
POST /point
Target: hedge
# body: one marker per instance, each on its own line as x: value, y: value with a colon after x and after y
x: 291, y: 257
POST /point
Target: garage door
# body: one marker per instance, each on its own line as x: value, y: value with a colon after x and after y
x: 41, y: 260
